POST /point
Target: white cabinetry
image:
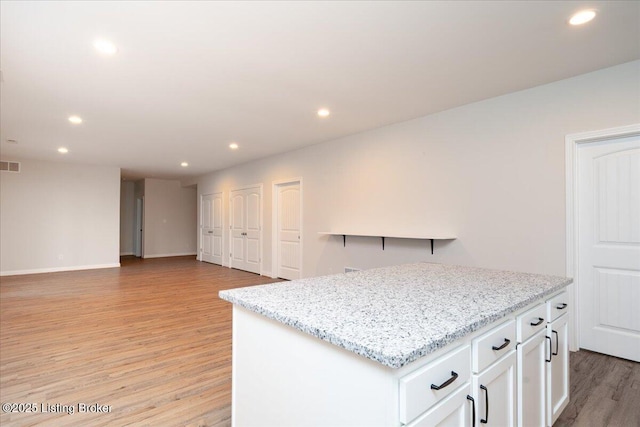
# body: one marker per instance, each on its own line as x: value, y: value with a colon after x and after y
x: 427, y: 386
x: 531, y: 376
x: 494, y: 376
x: 494, y: 391
x: 483, y: 378
x: 456, y: 410
x: 558, y: 367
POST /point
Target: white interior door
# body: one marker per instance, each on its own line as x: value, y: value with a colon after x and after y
x: 245, y: 228
x: 252, y: 230
x: 288, y: 225
x: 211, y: 228
x: 609, y: 246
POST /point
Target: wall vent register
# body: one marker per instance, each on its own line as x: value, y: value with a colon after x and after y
x: 10, y: 166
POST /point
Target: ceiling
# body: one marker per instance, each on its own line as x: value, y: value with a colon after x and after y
x: 189, y: 78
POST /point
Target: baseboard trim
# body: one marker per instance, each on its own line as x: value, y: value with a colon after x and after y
x: 58, y: 269
x: 169, y: 255
x: 126, y: 253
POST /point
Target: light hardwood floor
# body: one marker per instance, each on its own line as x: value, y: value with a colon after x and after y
x: 153, y: 341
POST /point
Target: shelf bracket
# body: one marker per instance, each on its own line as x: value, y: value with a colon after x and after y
x: 431, y: 246
x: 382, y: 243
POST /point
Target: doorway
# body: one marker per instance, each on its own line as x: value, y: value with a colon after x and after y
x: 603, y: 239
x: 211, y: 229
x: 245, y: 242
x: 138, y: 241
x: 287, y: 229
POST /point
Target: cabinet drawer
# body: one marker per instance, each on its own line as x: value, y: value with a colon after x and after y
x: 417, y: 392
x: 531, y: 321
x: 454, y: 410
x: 557, y: 306
x: 493, y: 345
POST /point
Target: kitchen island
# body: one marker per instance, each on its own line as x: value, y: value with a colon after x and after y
x: 349, y: 349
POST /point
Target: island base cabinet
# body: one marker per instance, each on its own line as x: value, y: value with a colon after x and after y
x: 456, y: 410
x: 558, y: 369
x: 494, y: 391
x: 312, y: 383
x: 531, y: 380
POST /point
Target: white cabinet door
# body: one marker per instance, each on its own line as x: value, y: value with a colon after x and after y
x: 494, y: 391
x: 531, y: 380
x: 454, y: 411
x: 558, y: 369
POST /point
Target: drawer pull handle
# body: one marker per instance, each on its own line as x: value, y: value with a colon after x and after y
x: 473, y: 410
x: 486, y: 405
x: 538, y: 323
x: 561, y: 306
x: 506, y: 343
x: 550, y: 351
x: 557, y: 347
x: 446, y: 383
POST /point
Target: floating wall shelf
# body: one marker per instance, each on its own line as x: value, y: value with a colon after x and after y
x: 430, y: 237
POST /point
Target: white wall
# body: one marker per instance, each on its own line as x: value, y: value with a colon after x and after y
x: 127, y: 217
x: 59, y: 216
x: 170, y: 219
x: 491, y: 172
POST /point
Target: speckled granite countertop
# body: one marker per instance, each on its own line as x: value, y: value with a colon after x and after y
x: 395, y: 315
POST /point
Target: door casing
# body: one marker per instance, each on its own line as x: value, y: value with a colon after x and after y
x: 274, y: 226
x: 572, y: 145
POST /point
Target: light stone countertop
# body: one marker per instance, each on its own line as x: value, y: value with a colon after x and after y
x: 395, y: 315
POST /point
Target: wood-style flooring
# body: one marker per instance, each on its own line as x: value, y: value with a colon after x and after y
x: 153, y: 341
x: 604, y: 390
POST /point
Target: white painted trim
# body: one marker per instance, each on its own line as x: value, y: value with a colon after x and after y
x: 274, y: 224
x: 58, y: 269
x: 572, y: 143
x: 170, y: 255
x: 126, y: 253
x: 247, y: 187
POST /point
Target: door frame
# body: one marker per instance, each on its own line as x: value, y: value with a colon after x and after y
x: 274, y: 223
x: 138, y: 237
x: 572, y: 145
x: 202, y: 196
x: 260, y: 219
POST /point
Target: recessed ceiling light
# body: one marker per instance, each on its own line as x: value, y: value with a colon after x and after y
x: 323, y: 112
x: 63, y: 150
x: 184, y: 164
x: 75, y: 120
x: 582, y: 17
x: 105, y: 47
x: 233, y: 146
